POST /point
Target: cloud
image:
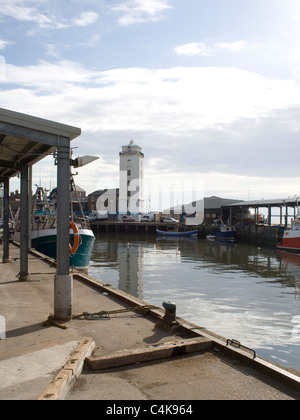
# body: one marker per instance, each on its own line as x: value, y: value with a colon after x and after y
x: 19, y: 10
x: 51, y: 51
x: 193, y: 48
x: 91, y: 42
x: 168, y: 100
x: 4, y: 44
x: 2, y: 69
x: 202, y: 121
x: 33, y: 11
x: 140, y: 11
x: 232, y: 46
x: 209, y: 49
x: 47, y: 78
x: 85, y: 19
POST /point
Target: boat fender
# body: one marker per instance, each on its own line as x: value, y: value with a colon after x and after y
x: 73, y: 249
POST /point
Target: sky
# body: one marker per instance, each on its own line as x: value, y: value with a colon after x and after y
x: 210, y: 89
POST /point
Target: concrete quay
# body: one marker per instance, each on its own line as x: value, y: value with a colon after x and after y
x: 124, y: 354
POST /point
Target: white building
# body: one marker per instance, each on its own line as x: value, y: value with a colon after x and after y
x: 131, y: 197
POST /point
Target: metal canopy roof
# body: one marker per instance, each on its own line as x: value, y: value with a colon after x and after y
x: 265, y: 203
x: 25, y: 140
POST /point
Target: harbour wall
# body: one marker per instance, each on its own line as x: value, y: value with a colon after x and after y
x: 267, y: 236
x: 128, y: 227
x: 260, y: 235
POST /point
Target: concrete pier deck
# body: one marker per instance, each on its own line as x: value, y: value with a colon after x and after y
x: 35, y: 357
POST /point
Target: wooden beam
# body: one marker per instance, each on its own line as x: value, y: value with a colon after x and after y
x: 64, y: 380
x: 147, y: 354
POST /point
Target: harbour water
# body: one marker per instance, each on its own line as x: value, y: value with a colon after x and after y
x: 241, y: 292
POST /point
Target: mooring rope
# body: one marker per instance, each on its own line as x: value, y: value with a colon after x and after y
x: 99, y: 315
x: 106, y: 314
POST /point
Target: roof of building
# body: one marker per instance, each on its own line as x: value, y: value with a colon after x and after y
x: 266, y: 203
x: 25, y: 140
x: 215, y: 202
x: 105, y: 190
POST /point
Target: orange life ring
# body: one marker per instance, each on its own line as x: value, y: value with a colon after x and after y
x: 73, y: 249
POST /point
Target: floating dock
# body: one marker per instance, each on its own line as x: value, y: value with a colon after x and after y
x: 118, y: 348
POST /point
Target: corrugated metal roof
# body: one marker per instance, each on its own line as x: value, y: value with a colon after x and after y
x: 265, y: 203
x: 25, y: 140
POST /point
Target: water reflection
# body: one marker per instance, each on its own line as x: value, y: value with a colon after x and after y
x: 130, y: 259
x: 238, y: 291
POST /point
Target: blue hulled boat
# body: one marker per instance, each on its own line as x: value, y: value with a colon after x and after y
x: 222, y: 232
x: 188, y: 234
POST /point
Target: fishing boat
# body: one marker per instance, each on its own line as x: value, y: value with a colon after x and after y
x: 188, y: 234
x: 290, y: 240
x: 222, y: 232
x: 44, y: 232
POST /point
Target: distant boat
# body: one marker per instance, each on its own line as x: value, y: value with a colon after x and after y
x: 290, y: 241
x: 191, y: 233
x: 222, y: 232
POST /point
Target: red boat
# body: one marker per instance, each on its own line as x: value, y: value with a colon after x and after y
x: 290, y: 240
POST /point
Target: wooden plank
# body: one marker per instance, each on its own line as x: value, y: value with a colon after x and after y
x: 57, y: 389
x: 76, y: 361
x: 64, y: 380
x: 146, y: 354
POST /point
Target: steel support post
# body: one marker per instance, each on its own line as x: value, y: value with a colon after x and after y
x: 24, y: 227
x: 29, y: 203
x: 63, y: 282
x: 269, y: 215
x: 5, y: 257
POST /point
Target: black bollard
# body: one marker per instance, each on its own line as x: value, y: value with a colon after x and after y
x: 170, y: 314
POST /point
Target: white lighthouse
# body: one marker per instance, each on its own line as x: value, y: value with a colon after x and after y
x: 131, y: 195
